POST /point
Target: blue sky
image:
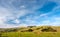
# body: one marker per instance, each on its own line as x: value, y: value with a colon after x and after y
x: 17, y: 13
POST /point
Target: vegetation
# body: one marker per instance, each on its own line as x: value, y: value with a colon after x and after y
x: 31, y: 31
x: 48, y: 29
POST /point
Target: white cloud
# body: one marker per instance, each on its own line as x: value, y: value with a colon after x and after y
x: 17, y: 21
x: 10, y: 12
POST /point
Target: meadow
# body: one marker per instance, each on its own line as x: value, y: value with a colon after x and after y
x: 31, y: 31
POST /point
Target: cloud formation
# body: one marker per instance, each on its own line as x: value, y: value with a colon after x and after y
x: 15, y: 13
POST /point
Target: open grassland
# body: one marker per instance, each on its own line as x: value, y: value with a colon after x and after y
x: 10, y: 34
x: 35, y: 32
x: 31, y: 34
x: 43, y: 34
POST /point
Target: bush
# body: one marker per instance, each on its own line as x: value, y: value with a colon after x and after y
x: 31, y: 26
x: 48, y: 29
x: 29, y: 30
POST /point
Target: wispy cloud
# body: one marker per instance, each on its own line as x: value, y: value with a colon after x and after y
x: 14, y: 13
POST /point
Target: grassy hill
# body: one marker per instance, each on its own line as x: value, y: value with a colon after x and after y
x: 31, y: 31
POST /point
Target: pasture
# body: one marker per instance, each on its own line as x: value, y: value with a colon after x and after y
x: 32, y: 32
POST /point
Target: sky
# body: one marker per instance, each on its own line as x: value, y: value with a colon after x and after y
x: 18, y: 13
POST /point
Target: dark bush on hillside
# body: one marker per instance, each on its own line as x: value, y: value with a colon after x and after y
x: 38, y: 28
x: 31, y: 26
x: 48, y: 29
x: 29, y: 30
x: 10, y: 30
x: 14, y: 30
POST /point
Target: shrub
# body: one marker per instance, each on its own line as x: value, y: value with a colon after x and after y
x: 31, y: 26
x: 48, y: 29
x: 29, y: 30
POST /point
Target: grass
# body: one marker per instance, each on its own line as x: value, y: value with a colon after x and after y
x: 35, y: 33
x: 42, y: 34
x: 10, y: 34
x: 31, y: 34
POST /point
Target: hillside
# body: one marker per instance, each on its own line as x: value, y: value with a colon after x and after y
x: 31, y: 31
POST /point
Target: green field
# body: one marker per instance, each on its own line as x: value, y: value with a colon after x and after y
x: 45, y: 34
x: 36, y: 33
x: 10, y: 34
x: 31, y: 34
